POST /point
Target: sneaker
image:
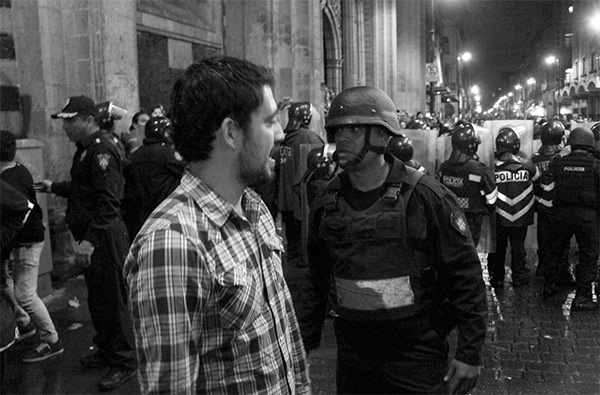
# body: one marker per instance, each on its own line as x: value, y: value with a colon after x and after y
x: 26, y: 331
x: 44, y: 351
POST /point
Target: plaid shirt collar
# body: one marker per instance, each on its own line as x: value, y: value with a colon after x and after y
x: 218, y: 210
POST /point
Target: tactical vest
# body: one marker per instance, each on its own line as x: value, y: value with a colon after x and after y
x: 575, y: 182
x: 464, y: 182
x: 376, y: 275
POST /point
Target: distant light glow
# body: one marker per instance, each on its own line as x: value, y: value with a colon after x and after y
x: 477, y: 97
x: 510, y: 94
x: 595, y: 22
x: 551, y: 59
x: 570, y: 9
x: 475, y: 89
x: 518, y: 87
x: 530, y: 81
x: 466, y: 56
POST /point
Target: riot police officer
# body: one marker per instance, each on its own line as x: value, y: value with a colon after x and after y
x: 513, y: 175
x: 296, y: 134
x: 576, y: 208
x: 402, y: 148
x: 391, y: 248
x: 551, y: 135
x: 154, y: 171
x: 93, y: 216
x: 471, y: 180
x: 596, y: 131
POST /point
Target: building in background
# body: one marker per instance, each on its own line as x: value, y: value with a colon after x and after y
x: 131, y: 51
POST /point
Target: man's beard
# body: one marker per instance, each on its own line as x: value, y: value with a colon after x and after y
x: 252, y: 174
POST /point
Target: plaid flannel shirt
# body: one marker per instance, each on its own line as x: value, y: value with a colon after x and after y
x: 211, y: 310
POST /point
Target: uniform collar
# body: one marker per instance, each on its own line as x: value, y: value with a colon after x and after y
x: 88, y: 140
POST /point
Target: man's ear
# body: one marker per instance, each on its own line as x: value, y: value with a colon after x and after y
x: 229, y: 132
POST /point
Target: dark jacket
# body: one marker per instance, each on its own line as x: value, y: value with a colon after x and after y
x: 436, y: 227
x: 95, y: 189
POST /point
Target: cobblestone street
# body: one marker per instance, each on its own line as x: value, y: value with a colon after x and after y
x: 533, y: 346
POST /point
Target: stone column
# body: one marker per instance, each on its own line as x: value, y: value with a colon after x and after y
x: 350, y: 43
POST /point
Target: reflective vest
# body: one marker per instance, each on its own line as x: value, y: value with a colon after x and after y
x: 515, y: 193
x: 471, y: 183
x: 376, y: 275
x: 544, y: 189
x: 576, y: 183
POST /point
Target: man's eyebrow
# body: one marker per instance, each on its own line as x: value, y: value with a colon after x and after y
x: 273, y: 115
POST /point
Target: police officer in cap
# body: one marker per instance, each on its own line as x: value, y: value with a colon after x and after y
x: 391, y: 248
x: 471, y: 180
x: 93, y: 196
x: 576, y: 208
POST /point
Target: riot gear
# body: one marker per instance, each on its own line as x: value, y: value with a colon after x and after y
x: 596, y: 131
x: 401, y: 147
x: 320, y: 161
x: 465, y: 138
x: 363, y: 106
x: 581, y: 137
x: 158, y: 128
x: 416, y: 124
x: 508, y: 141
x: 299, y: 116
x: 552, y: 132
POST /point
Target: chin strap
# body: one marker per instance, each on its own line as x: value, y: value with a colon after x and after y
x: 379, y: 150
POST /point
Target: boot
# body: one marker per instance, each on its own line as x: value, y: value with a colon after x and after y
x: 583, y: 300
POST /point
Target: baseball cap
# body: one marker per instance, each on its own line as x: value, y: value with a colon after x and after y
x: 76, y: 105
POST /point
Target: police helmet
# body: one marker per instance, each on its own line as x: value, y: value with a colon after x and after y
x: 552, y: 132
x: 465, y: 138
x: 596, y: 131
x: 401, y: 147
x: 320, y: 161
x: 362, y: 105
x: 508, y: 141
x: 581, y: 137
x: 299, y: 115
x: 158, y: 128
x: 416, y: 124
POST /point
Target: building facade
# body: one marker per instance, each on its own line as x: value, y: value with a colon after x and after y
x: 131, y: 51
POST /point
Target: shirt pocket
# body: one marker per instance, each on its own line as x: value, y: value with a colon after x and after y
x: 240, y: 297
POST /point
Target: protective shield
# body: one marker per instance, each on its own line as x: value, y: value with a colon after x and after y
x: 424, y: 143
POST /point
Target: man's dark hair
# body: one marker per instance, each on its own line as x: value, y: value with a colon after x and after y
x: 207, y: 93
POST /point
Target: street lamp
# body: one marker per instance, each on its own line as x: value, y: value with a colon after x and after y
x: 465, y: 57
x: 550, y: 60
x: 530, y: 82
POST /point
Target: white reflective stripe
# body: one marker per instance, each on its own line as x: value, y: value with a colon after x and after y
x: 548, y: 187
x: 544, y: 202
x: 474, y: 178
x: 517, y: 199
x: 536, y: 175
x: 387, y: 293
x: 517, y: 215
x: 491, y: 197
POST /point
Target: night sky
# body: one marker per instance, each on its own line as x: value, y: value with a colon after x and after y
x: 498, y: 33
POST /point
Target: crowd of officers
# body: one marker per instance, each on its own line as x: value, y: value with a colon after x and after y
x: 391, y: 249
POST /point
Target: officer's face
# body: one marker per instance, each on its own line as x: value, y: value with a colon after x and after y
x: 255, y: 164
x: 349, y: 141
x: 78, y: 127
x: 141, y: 122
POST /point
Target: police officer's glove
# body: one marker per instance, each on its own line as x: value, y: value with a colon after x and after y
x: 83, y: 253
